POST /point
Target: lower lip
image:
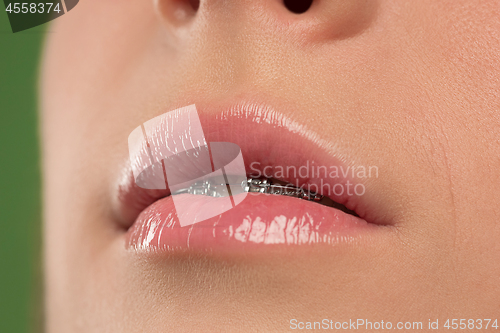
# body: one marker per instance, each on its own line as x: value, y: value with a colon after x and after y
x: 260, y: 222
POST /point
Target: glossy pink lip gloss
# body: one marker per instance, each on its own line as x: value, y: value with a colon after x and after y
x: 261, y: 221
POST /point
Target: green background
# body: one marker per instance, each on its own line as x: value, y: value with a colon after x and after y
x: 20, y: 209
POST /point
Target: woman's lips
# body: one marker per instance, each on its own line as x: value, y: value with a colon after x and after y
x: 260, y: 222
x: 270, y: 143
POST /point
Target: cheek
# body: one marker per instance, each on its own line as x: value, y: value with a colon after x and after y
x: 94, y: 48
x: 89, y: 57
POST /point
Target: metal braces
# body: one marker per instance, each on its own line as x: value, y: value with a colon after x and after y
x: 272, y: 186
x: 219, y: 188
x: 215, y: 188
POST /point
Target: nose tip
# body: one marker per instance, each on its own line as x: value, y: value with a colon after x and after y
x: 182, y: 10
x: 316, y: 19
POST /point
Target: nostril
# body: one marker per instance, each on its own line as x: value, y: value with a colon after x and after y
x: 195, y: 4
x: 298, y: 6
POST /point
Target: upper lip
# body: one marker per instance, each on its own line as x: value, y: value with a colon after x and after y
x: 267, y: 139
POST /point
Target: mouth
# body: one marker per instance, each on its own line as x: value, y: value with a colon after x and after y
x: 301, y: 192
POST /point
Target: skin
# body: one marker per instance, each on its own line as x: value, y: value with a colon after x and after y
x: 409, y: 86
